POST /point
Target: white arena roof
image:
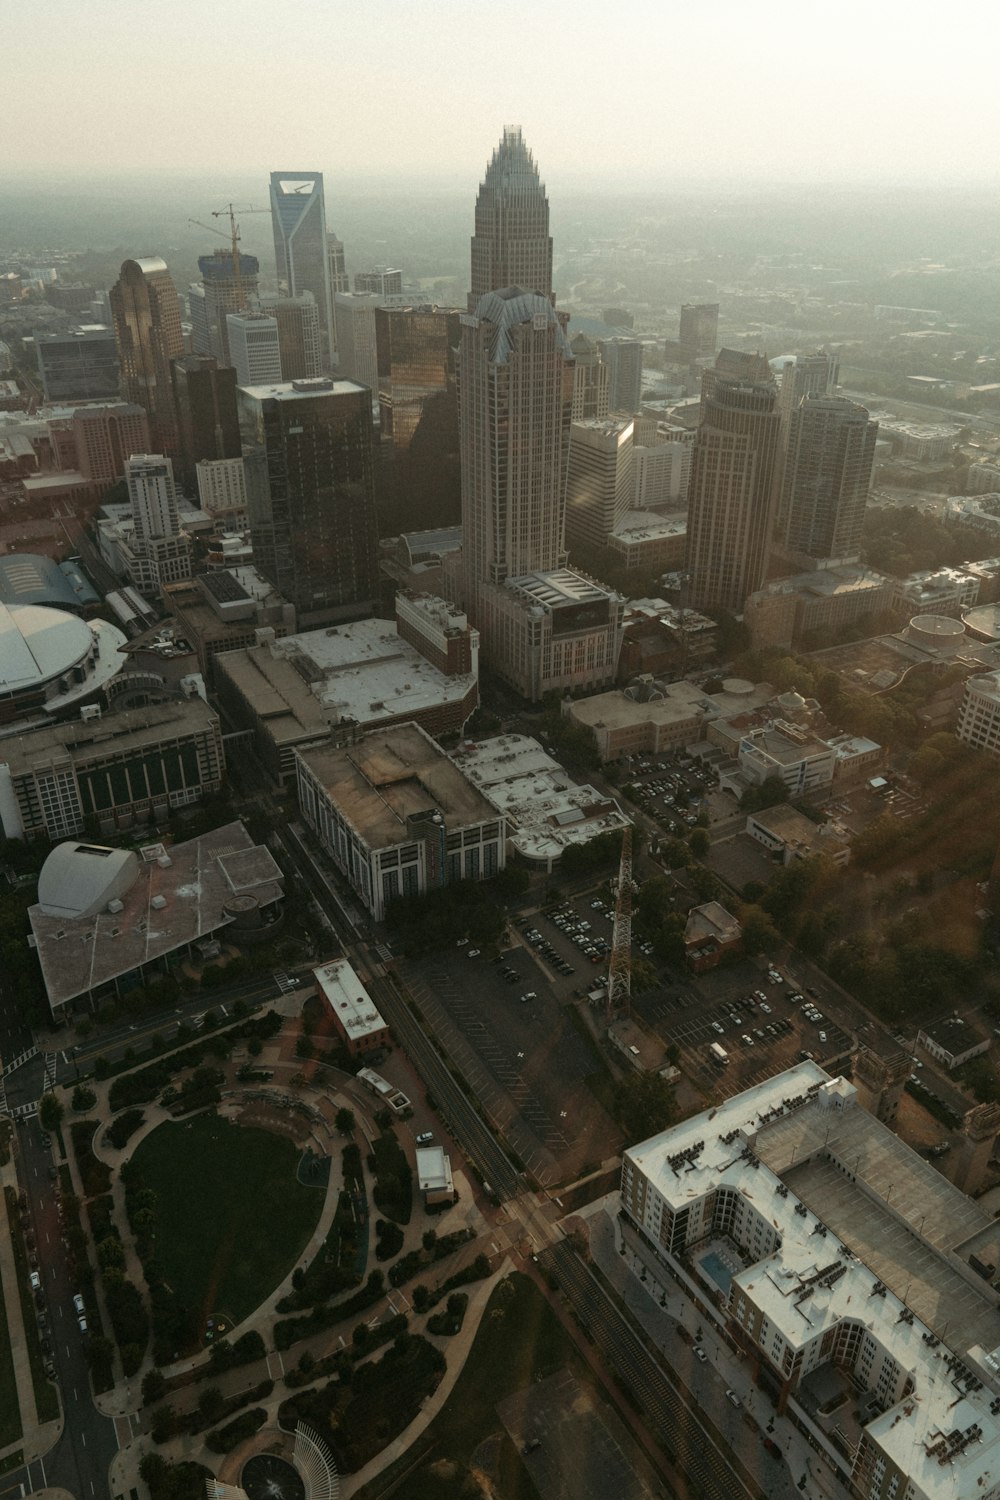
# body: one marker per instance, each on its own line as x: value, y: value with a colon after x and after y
x: 37, y: 644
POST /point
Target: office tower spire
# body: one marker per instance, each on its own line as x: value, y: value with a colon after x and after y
x: 301, y: 244
x: 147, y: 319
x: 511, y: 245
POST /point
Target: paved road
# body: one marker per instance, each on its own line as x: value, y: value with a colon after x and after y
x: 672, y: 1420
x: 465, y: 1123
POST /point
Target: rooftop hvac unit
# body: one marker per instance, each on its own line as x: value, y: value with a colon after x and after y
x: 164, y: 861
x: 116, y: 906
x: 158, y: 903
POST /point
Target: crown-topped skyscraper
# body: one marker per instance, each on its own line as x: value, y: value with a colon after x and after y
x: 544, y: 626
x: 512, y: 245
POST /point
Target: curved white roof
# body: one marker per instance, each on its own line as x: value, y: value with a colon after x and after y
x: 37, y: 644
x: 78, y: 880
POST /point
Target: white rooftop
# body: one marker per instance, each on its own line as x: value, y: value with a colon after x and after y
x: 822, y: 1172
x: 347, y: 996
x: 649, y: 526
x: 546, y: 809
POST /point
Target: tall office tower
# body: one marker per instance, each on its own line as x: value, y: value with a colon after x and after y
x: 254, y: 348
x: 661, y: 467
x: 308, y: 452
x: 623, y: 358
x: 339, y: 279
x: 222, y: 294
x: 699, y: 331
x: 544, y: 626
x: 147, y: 321
x: 301, y: 246
x: 511, y: 245
x: 420, y: 478
x: 357, y: 351
x: 735, y: 364
x: 591, y: 381
x: 300, y: 346
x: 381, y: 280
x: 207, y: 420
x: 81, y: 365
x: 828, y: 468
x: 599, y: 484
x: 731, y: 492
x: 106, y: 436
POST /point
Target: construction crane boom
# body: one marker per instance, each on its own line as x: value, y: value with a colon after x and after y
x: 234, y: 238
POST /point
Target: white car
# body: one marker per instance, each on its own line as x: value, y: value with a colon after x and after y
x: 78, y: 1304
x: 765, y: 1007
x: 822, y: 1036
x: 35, y: 1281
x: 732, y: 1396
x: 717, y: 1026
x: 472, y: 953
x: 699, y: 1353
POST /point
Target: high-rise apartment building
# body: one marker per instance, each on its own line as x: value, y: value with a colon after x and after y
x: 301, y: 244
x: 207, y: 420
x: 300, y: 342
x: 731, y: 492
x: 699, y: 330
x: 591, y: 381
x: 81, y: 365
x: 307, y: 447
x: 254, y: 348
x: 157, y: 552
x: 511, y: 245
x: 544, y: 627
x: 623, y: 358
x: 147, y: 319
x: 805, y: 375
x: 827, y: 474
x: 381, y: 280
x: 600, y: 484
x: 222, y: 491
x: 222, y: 293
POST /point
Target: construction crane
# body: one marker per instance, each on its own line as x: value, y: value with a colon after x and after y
x: 234, y: 234
x: 620, y: 969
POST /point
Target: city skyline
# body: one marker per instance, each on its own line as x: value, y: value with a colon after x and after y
x: 380, y: 112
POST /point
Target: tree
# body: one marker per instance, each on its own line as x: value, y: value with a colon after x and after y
x: 759, y: 932
x: 83, y: 1098
x: 50, y: 1112
x: 644, y: 1105
x: 211, y: 1404
x: 344, y: 1121
x: 699, y: 843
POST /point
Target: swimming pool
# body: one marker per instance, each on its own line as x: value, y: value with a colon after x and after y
x: 715, y: 1267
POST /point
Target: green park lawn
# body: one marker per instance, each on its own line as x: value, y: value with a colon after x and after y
x: 232, y: 1217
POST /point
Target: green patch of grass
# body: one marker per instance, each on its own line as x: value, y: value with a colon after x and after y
x: 232, y: 1218
x: 12, y: 1461
x: 520, y: 1340
x: 46, y: 1400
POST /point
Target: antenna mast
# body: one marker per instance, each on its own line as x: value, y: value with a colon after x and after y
x: 620, y: 971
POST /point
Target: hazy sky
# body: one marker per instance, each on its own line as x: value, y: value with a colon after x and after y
x: 732, y: 88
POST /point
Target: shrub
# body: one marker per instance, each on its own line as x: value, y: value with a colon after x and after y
x: 225, y: 1439
x: 122, y: 1128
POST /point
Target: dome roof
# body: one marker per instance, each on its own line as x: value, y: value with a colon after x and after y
x: 793, y: 701
x: 782, y: 361
x: 37, y: 644
x: 78, y: 880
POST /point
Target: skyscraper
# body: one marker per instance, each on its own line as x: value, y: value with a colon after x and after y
x: 731, y: 491
x: 419, y: 479
x: 511, y: 245
x: 254, y: 349
x: 301, y: 245
x: 623, y: 358
x: 798, y: 376
x: 307, y: 446
x: 106, y: 436
x: 591, y: 381
x: 222, y: 295
x: 600, y: 483
x: 337, y: 265
x: 300, y: 342
x: 699, y: 330
x: 828, y: 466
x: 207, y: 420
x: 157, y: 552
x: 544, y: 626
x: 381, y: 280
x: 81, y: 365
x: 357, y: 355
x: 147, y: 319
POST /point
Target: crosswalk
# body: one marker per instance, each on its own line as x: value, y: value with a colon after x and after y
x: 20, y: 1059
x: 50, y: 1062
x: 24, y: 1111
